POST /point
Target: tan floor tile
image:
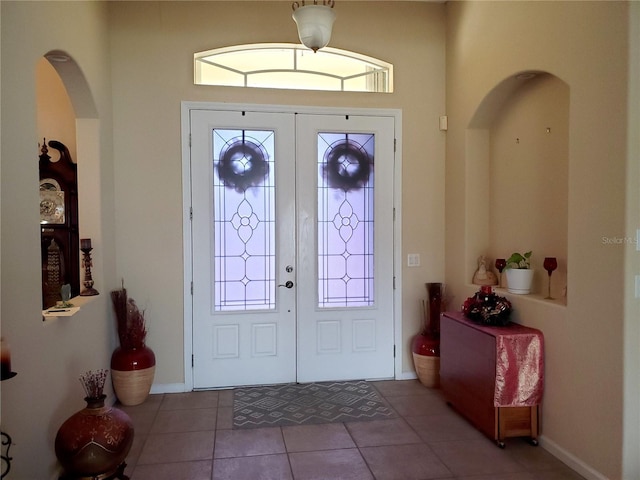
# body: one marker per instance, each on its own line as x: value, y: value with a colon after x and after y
x: 530, y: 457
x: 430, y: 441
x: 263, y: 467
x: 244, y: 443
x: 475, y: 457
x: 187, y: 420
x: 389, y: 388
x: 225, y: 418
x: 178, y: 401
x: 142, y: 420
x: 174, y: 471
x: 329, y: 465
x: 225, y: 398
x: 306, y: 438
x: 501, y: 476
x: 135, y: 451
x: 151, y: 404
x: 562, y: 473
x: 382, y: 432
x: 415, y: 405
x: 443, y: 428
x: 177, y: 447
x: 404, y: 462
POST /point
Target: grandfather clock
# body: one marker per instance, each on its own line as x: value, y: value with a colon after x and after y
x: 59, y: 236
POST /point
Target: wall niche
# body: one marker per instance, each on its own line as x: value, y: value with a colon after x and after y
x: 59, y: 237
x: 518, y: 176
x: 59, y: 229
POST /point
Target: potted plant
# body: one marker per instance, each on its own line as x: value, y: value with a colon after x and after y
x: 519, y: 273
x: 133, y: 364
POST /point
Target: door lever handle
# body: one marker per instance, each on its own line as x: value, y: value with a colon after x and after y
x: 287, y: 284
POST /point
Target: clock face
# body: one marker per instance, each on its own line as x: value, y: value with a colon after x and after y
x: 51, y: 202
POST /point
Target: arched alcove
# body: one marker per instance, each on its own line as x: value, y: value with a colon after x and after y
x: 67, y: 113
x: 517, y: 158
x: 74, y: 82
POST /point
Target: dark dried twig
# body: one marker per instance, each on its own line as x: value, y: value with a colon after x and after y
x: 93, y: 382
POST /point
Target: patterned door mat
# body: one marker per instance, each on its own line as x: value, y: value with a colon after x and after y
x: 304, y: 404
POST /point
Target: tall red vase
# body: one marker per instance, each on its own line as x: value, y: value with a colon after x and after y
x: 132, y: 372
x: 426, y: 344
x: 94, y: 442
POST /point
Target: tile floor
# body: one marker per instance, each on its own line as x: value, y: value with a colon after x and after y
x: 188, y: 436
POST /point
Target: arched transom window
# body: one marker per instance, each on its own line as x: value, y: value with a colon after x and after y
x: 283, y: 65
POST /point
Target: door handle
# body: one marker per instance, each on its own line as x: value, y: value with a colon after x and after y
x: 287, y: 284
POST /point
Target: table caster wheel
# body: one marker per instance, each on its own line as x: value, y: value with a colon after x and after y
x: 533, y: 441
x: 501, y: 444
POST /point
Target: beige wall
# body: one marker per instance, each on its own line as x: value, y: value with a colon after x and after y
x: 49, y: 357
x: 631, y: 419
x: 584, y: 45
x: 153, y: 46
x: 631, y: 459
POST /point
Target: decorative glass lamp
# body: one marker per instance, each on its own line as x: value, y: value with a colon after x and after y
x: 314, y: 23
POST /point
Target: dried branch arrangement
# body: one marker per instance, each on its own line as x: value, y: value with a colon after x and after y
x: 132, y: 330
x: 93, y: 382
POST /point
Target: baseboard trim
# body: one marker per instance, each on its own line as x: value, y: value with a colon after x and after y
x: 169, y: 388
x: 158, y: 388
x: 570, y: 460
x: 406, y: 376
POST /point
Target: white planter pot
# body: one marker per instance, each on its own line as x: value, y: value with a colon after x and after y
x: 519, y: 280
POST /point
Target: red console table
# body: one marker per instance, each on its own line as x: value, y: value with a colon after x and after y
x: 493, y: 376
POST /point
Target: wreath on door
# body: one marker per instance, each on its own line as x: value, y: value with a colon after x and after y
x: 243, y: 164
x: 347, y: 165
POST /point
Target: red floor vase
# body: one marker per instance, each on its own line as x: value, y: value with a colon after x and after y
x: 94, y: 442
x: 132, y: 372
x: 426, y: 344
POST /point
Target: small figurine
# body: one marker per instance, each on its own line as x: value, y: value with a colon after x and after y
x: 65, y: 293
x: 483, y: 276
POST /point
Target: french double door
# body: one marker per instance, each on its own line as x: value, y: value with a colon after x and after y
x: 292, y: 245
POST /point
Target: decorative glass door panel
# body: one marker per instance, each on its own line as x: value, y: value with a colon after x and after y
x: 244, y: 219
x: 345, y: 220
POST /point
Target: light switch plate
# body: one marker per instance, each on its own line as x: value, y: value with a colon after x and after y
x: 413, y: 260
x: 637, y: 286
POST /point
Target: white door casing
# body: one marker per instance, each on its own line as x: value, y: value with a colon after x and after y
x: 295, y: 339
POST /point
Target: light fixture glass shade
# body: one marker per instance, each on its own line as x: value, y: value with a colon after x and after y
x: 314, y: 25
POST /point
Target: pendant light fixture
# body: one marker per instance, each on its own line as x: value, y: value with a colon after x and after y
x: 314, y: 22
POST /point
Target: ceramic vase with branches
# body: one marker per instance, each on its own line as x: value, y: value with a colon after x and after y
x: 133, y: 363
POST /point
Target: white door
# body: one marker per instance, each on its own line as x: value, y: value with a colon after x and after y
x: 292, y: 244
x: 345, y: 247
